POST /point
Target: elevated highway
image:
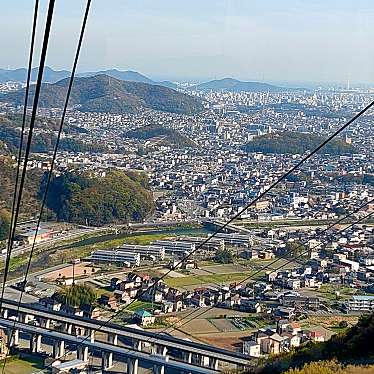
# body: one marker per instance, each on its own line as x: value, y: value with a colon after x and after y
x: 50, y: 323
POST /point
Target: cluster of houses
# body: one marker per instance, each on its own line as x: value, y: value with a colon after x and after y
x: 286, y: 335
x: 250, y: 298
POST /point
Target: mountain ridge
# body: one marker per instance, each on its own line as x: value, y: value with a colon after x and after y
x: 228, y: 83
x: 102, y: 93
x: 53, y: 76
x: 20, y: 74
x: 235, y: 85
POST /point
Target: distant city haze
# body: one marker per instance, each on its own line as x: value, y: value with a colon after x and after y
x: 198, y: 40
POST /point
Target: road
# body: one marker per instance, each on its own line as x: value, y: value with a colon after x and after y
x: 82, y: 230
x: 16, y: 251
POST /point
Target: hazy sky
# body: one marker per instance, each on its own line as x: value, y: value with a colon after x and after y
x: 271, y: 40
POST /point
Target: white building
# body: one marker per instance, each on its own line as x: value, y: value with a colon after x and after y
x: 116, y: 256
x: 251, y: 348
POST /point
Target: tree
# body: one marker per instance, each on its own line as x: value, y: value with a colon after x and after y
x: 76, y: 295
x: 340, y: 211
x: 224, y: 256
x: 294, y: 249
x: 5, y: 218
x: 343, y: 324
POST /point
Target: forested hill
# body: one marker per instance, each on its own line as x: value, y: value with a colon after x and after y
x: 45, y: 139
x: 166, y: 136
x: 115, y: 198
x: 297, y: 143
x: 234, y: 85
x: 30, y: 204
x: 102, y: 93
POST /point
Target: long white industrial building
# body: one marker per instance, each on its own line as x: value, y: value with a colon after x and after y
x: 175, y: 247
x: 117, y: 256
x: 144, y: 250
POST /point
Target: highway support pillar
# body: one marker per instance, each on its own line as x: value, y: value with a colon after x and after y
x: 26, y: 318
x: 58, y: 348
x: 187, y: 357
x: 204, y: 360
x: 137, y: 344
x: 160, y: 369
x: 35, y: 343
x: 107, y: 357
x: 16, y: 337
x: 68, y: 328
x: 82, y: 353
x: 91, y: 335
x: 5, y: 313
x: 132, y: 365
x: 213, y: 363
x: 160, y: 350
x: 112, y: 338
x: 107, y: 361
x: 13, y: 340
x: 45, y: 323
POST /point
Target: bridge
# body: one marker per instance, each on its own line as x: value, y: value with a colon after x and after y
x: 127, y: 344
x: 230, y: 228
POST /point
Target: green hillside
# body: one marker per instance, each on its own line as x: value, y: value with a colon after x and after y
x: 332, y: 367
x: 114, y: 198
x: 102, y: 93
x: 296, y: 143
x: 32, y: 183
x: 167, y: 136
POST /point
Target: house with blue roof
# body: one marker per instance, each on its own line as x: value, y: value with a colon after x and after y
x: 144, y: 318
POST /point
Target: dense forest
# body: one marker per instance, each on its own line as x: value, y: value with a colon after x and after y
x: 29, y: 204
x: 114, y: 198
x: 355, y: 346
x: 117, y: 197
x: 296, y: 143
x: 4, y: 223
x: 169, y: 136
x: 32, y: 184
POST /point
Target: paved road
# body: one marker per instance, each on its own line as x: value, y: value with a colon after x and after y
x: 71, y: 235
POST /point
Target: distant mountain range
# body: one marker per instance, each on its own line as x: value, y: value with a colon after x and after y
x: 20, y: 75
x: 226, y: 84
x: 52, y: 76
x: 234, y: 85
x: 103, y: 93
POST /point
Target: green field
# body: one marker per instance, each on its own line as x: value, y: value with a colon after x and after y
x: 274, y: 263
x: 218, y: 279
x: 137, y: 305
x: 328, y: 291
x: 22, y: 366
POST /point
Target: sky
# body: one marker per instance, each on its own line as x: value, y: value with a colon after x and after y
x: 197, y: 40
